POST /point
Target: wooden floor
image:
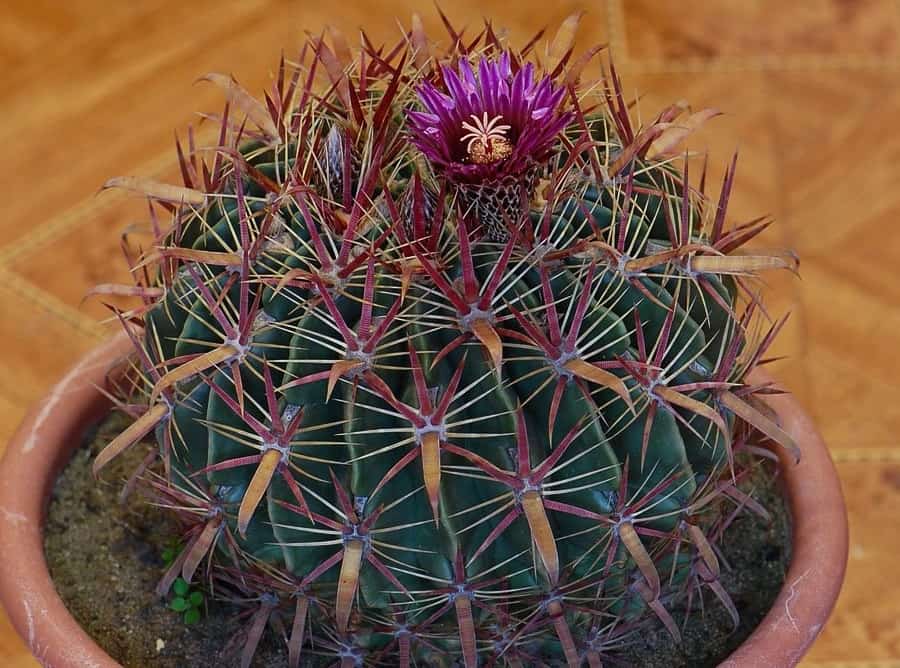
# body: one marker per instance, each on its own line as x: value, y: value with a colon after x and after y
x: 811, y: 91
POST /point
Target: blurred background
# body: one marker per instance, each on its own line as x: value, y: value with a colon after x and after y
x: 811, y: 95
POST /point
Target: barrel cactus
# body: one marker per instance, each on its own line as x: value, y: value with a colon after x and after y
x: 445, y: 358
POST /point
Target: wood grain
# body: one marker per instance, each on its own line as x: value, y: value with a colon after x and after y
x: 811, y: 91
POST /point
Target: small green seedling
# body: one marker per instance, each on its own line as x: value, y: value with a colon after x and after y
x: 171, y: 548
x: 187, y: 601
x: 170, y: 553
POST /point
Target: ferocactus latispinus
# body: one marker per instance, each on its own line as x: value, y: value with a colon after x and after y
x: 445, y: 358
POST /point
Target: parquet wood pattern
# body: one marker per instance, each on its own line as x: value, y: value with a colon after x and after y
x: 811, y: 91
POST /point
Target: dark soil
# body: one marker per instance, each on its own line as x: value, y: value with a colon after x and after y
x: 106, y: 559
x: 756, y: 558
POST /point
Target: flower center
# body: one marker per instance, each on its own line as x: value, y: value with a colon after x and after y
x: 486, y: 139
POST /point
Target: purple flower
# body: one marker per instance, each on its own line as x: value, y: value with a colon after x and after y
x: 488, y: 125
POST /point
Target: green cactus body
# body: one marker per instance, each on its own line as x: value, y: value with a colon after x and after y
x: 445, y: 443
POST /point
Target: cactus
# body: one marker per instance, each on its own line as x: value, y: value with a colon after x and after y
x: 445, y: 358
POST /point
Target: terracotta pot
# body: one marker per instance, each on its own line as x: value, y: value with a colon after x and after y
x: 39, y: 450
x: 54, y: 428
x: 820, y: 544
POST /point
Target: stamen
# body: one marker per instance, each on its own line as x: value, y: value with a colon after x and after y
x: 486, y: 139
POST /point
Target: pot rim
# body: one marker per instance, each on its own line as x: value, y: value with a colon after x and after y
x: 53, y: 428
x: 820, y: 545
x: 41, y: 447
